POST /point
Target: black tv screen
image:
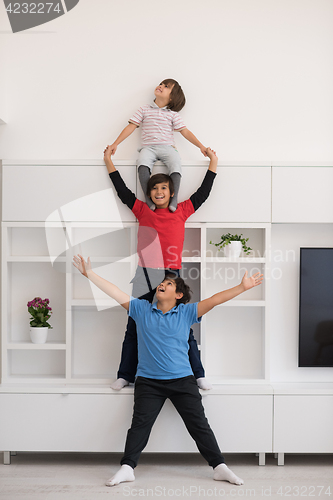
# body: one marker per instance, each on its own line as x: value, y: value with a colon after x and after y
x: 316, y: 307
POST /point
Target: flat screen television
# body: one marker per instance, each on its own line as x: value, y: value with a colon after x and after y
x: 316, y: 307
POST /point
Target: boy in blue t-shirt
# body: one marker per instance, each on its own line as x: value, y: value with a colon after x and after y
x: 164, y: 371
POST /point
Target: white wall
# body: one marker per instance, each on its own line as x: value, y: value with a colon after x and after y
x: 257, y: 75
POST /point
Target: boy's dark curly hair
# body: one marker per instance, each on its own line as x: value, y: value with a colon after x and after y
x: 177, y: 97
x: 159, y: 179
x: 181, y: 287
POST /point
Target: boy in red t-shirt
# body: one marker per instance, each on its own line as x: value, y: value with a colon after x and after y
x: 160, y: 246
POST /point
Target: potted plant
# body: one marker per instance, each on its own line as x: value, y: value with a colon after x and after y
x: 233, y: 244
x: 41, y: 313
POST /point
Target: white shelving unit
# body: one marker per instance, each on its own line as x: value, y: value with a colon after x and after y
x: 66, y: 382
x: 68, y: 378
x: 85, y: 342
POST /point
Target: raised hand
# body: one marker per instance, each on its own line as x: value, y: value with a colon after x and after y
x: 107, y: 159
x: 252, y: 281
x: 108, y: 152
x: 211, y: 153
x: 113, y: 148
x: 204, y: 151
x: 81, y: 264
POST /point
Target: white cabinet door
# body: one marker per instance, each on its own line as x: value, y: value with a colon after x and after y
x: 241, y: 423
x: 239, y: 194
x: 70, y: 422
x: 303, y: 424
x: 69, y: 193
x: 302, y: 194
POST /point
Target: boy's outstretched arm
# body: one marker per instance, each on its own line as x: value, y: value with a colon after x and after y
x: 219, y: 298
x: 201, y: 195
x: 109, y: 288
x: 191, y: 138
x: 107, y: 159
x: 127, y: 131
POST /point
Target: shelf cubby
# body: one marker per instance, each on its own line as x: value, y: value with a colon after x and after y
x: 97, y: 338
x: 234, y: 344
x: 36, y: 363
x: 256, y: 241
x: 29, y: 280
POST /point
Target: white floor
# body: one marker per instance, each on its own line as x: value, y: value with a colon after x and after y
x: 74, y: 476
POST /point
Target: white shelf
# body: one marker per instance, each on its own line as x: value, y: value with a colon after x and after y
x: 235, y: 385
x: 106, y: 260
x: 32, y: 379
x: 244, y: 303
x: 94, y: 303
x: 33, y: 258
x: 30, y: 346
x: 240, y: 260
x: 191, y: 259
x: 51, y: 259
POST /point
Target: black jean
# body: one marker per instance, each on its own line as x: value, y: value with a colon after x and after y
x: 149, y: 398
x: 145, y: 282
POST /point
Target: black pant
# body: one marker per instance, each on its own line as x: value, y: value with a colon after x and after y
x: 145, y: 282
x: 149, y: 398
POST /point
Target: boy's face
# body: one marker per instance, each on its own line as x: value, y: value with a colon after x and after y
x: 164, y: 90
x: 160, y: 195
x: 167, y: 290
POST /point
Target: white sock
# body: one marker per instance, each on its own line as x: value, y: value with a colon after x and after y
x: 203, y: 383
x: 119, y: 384
x: 124, y: 474
x: 223, y: 473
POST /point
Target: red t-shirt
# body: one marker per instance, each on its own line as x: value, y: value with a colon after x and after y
x: 161, y: 234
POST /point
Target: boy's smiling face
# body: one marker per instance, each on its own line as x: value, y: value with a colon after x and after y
x: 160, y: 195
x: 163, y: 91
x: 166, y: 291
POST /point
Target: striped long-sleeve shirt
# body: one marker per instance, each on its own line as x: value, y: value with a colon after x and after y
x: 158, y: 124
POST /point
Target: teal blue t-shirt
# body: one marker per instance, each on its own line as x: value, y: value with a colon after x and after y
x: 163, y: 339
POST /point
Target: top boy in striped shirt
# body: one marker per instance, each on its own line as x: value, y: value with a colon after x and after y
x: 158, y: 121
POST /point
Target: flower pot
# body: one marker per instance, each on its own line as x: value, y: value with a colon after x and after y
x: 233, y: 250
x: 38, y: 335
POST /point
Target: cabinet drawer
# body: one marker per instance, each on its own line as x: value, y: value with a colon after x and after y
x: 303, y: 424
x: 70, y: 422
x: 69, y: 193
x: 302, y: 194
x: 241, y: 423
x: 239, y: 194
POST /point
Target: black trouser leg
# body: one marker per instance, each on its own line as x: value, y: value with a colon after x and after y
x: 187, y: 401
x: 129, y: 353
x: 148, y: 402
x: 149, y: 397
x: 194, y: 356
x: 144, y: 176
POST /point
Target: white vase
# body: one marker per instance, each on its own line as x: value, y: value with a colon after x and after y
x: 38, y: 335
x: 233, y: 250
